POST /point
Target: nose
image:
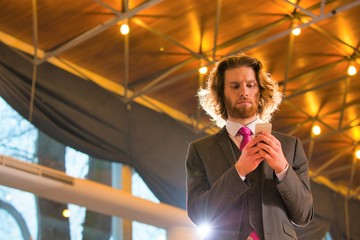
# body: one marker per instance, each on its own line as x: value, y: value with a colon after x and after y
x: 243, y: 91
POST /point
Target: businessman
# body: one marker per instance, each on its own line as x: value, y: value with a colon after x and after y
x: 245, y: 186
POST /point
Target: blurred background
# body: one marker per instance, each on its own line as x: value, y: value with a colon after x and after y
x: 106, y: 91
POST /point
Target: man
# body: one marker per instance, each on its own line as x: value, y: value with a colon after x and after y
x: 261, y: 190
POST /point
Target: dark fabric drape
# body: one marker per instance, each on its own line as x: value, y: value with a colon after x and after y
x: 82, y: 115
x: 330, y: 216
x: 90, y: 119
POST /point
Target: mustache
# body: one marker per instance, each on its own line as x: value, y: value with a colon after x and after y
x: 243, y: 100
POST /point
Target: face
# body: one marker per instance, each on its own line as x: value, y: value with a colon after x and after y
x: 242, y: 94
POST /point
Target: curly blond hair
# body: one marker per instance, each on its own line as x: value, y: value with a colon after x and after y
x: 212, y: 98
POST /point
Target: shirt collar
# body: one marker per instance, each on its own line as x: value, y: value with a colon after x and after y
x: 233, y: 127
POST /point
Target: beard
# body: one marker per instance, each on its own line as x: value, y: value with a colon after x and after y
x: 242, y: 111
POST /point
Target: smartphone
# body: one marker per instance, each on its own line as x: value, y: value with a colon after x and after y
x: 263, y: 127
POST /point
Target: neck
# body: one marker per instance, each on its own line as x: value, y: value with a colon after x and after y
x: 243, y: 121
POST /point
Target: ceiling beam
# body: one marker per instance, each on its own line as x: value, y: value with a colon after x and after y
x: 338, y: 109
x: 105, y: 5
x: 154, y: 84
x: 336, y: 170
x: 320, y: 169
x: 170, y: 39
x: 126, y: 52
x: 352, y: 175
x: 317, y: 87
x: 317, y: 69
x: 216, y: 27
x: 126, y: 64
x: 35, y: 58
x: 334, y: 40
x: 173, y: 79
x: 300, y: 125
x: 201, y: 76
x: 336, y: 131
x: 307, y: 12
x: 96, y: 30
x: 289, y: 58
x: 332, y: 130
x: 322, y: 7
x: 343, y: 104
x: 194, y: 54
x: 252, y: 33
x: 303, y: 25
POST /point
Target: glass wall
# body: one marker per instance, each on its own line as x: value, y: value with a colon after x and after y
x: 26, y: 216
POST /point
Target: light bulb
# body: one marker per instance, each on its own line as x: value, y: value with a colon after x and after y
x: 124, y: 29
x: 357, y: 154
x: 316, y: 130
x: 352, y: 70
x: 66, y: 213
x: 296, y: 31
x: 203, y: 70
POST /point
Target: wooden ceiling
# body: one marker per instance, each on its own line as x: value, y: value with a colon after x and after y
x: 157, y: 63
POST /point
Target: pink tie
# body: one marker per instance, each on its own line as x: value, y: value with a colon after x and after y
x: 253, y: 236
x: 246, y: 133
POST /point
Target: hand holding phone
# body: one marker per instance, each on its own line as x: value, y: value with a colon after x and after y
x: 263, y: 127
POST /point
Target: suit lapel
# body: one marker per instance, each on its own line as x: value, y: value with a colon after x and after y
x: 225, y: 145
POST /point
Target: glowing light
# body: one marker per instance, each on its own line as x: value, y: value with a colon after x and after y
x: 204, y: 230
x: 316, y: 130
x: 124, y: 29
x: 203, y: 70
x: 296, y: 31
x: 66, y: 213
x: 357, y: 154
x: 352, y: 70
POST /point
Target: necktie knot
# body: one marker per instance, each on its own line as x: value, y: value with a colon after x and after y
x: 246, y: 134
x: 244, y: 131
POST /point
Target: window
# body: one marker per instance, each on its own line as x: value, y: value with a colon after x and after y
x: 18, y: 138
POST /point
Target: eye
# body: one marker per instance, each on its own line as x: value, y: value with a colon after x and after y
x: 235, y: 86
x: 251, y: 84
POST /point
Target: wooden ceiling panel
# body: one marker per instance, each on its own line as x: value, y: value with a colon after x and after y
x: 345, y: 30
x: 16, y: 19
x: 55, y: 17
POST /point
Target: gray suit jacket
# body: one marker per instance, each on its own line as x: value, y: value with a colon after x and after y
x: 214, y: 188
